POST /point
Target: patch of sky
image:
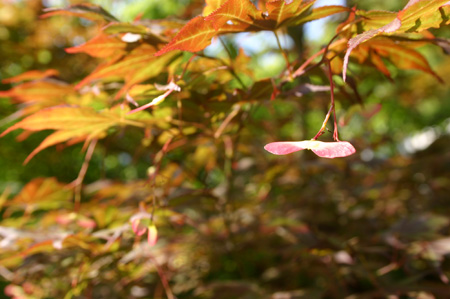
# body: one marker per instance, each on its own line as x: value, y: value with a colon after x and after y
x: 314, y: 30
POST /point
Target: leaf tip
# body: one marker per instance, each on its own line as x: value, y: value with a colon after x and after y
x: 152, y: 235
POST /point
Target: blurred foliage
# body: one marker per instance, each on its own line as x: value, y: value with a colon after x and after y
x: 233, y: 220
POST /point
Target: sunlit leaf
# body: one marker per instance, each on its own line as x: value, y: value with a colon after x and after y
x: 70, y: 123
x: 282, y: 13
x: 194, y: 36
x: 101, y: 46
x: 31, y: 75
x: 135, y: 67
x: 152, y: 235
x: 85, y: 10
x: 322, y: 12
x: 46, y: 90
x: 423, y: 14
x: 354, y: 42
x: 242, y: 15
x: 237, y: 13
x: 401, y: 56
x: 416, y: 16
x: 114, y: 28
x: 43, y: 193
x: 212, y: 5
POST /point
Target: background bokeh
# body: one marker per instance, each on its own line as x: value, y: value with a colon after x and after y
x: 372, y: 225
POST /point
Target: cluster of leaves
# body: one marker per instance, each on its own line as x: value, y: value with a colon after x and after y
x: 199, y: 124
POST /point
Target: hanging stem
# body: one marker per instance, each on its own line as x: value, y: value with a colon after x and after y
x: 332, y: 108
x: 164, y: 280
x: 186, y: 66
x: 231, y: 63
x: 330, y: 77
x: 226, y: 49
x: 301, y: 69
x: 324, y: 124
x: 288, y: 65
x: 79, y: 180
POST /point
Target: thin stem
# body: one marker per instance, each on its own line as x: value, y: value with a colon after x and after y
x: 227, y: 120
x: 79, y: 180
x: 152, y: 177
x: 330, y: 77
x: 231, y: 63
x: 324, y: 124
x: 332, y: 108
x: 186, y: 66
x: 180, y: 115
x: 301, y: 69
x: 230, y: 67
x: 164, y: 280
x: 288, y: 64
x: 226, y: 49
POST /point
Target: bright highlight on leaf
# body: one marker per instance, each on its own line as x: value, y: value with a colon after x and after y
x: 152, y: 235
x: 322, y: 149
x: 139, y: 228
x: 158, y: 100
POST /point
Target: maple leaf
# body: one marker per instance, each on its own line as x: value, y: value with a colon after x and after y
x: 137, y: 66
x: 240, y: 16
x: 38, y: 94
x: 150, y: 31
x: 38, y: 91
x: 85, y: 10
x: 194, y: 36
x: 321, y: 12
x: 282, y: 13
x: 73, y: 124
x: 322, y: 149
x: 114, y: 28
x: 417, y: 15
x: 212, y: 5
x: 31, y: 76
x: 400, y: 56
x: 102, y: 45
x: 237, y: 13
x: 43, y: 193
x: 354, y: 42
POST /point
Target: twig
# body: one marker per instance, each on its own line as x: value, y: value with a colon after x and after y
x: 79, y: 180
x: 229, y: 66
x: 227, y: 120
x: 164, y: 280
x: 330, y: 77
x: 286, y: 58
x: 324, y: 124
x: 332, y: 108
x: 226, y: 49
